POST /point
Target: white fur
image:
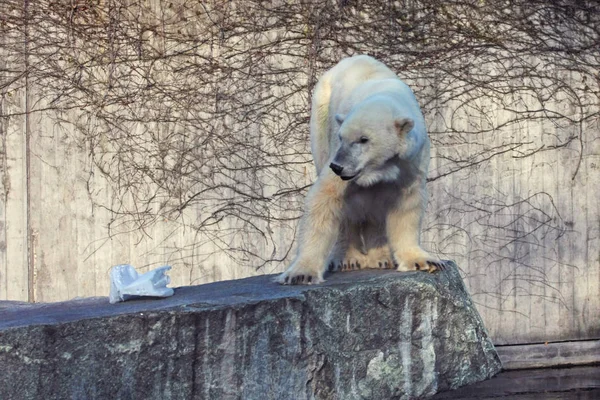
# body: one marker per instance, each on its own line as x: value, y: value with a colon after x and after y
x: 368, y: 122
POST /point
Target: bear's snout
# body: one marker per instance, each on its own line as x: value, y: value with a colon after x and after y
x: 337, y: 169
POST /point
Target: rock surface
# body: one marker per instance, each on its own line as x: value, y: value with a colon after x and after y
x: 361, y: 335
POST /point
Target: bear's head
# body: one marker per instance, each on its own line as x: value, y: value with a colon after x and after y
x: 372, y: 139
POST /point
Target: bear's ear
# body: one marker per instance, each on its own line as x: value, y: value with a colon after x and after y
x: 403, y: 125
x: 339, y: 118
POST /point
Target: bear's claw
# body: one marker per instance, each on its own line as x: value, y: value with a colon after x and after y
x: 298, y: 278
x: 440, y: 265
x: 429, y: 266
x: 419, y: 261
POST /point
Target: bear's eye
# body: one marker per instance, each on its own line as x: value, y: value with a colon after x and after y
x: 363, y: 139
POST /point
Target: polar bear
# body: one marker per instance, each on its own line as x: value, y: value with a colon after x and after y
x: 371, y: 150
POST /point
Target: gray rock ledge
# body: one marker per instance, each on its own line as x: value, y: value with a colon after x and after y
x: 361, y: 335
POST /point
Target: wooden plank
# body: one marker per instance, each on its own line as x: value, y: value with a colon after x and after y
x: 16, y: 275
x: 543, y: 286
x: 549, y: 355
x: 14, y: 235
x: 3, y: 182
x: 3, y: 195
x: 583, y: 382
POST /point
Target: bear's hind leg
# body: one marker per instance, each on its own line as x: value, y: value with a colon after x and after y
x: 352, y: 259
x: 368, y: 248
x: 381, y: 257
x: 376, y: 258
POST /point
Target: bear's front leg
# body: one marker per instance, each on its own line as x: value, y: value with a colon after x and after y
x: 319, y: 228
x: 403, y: 228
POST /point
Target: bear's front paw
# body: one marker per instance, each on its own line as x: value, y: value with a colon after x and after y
x: 299, y: 274
x: 420, y: 262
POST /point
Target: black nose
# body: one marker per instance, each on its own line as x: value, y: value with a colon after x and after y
x: 336, y: 168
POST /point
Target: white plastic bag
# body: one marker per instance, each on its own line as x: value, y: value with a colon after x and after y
x: 126, y: 283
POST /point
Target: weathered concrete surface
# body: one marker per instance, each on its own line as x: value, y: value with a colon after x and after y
x: 361, y: 335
